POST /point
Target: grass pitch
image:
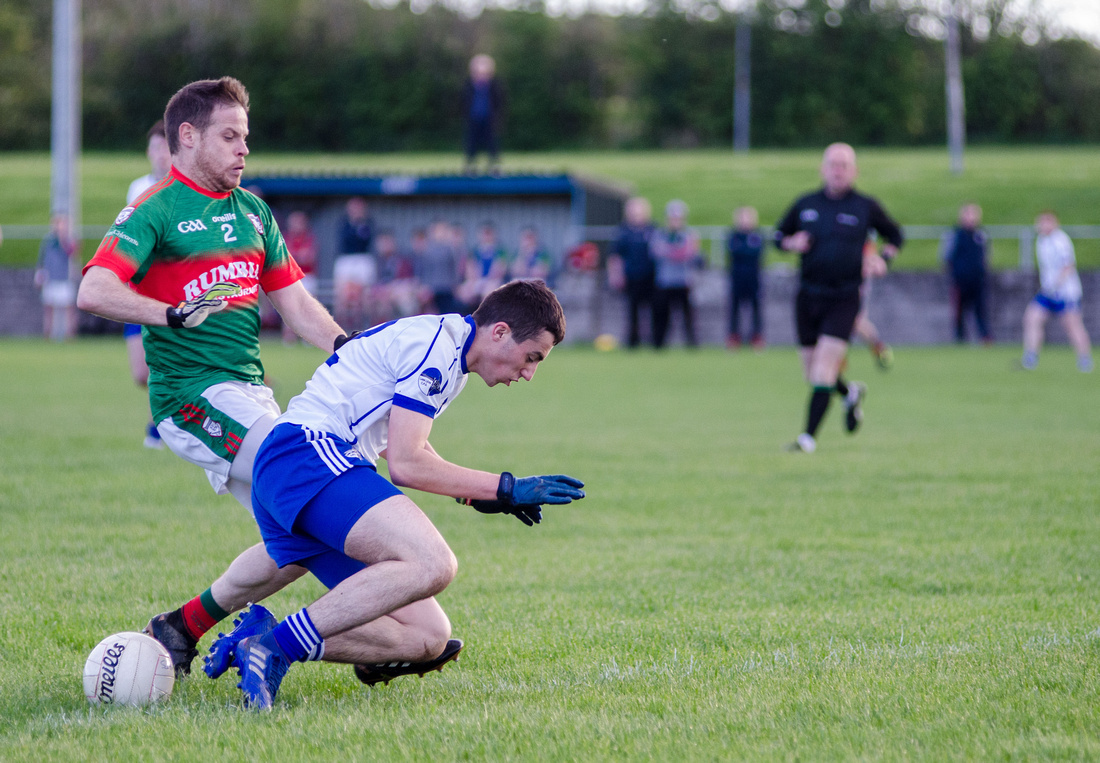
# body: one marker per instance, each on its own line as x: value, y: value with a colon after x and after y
x: 925, y: 589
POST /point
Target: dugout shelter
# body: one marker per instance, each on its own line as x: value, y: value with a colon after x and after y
x: 559, y: 206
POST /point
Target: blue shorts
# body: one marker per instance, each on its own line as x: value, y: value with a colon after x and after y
x: 305, y: 508
x: 1056, y: 306
x: 131, y: 329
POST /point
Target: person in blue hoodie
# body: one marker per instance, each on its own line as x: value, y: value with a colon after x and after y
x: 965, y: 253
x: 745, y: 246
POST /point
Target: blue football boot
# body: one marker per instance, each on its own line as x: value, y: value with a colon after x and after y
x: 262, y: 670
x: 256, y: 621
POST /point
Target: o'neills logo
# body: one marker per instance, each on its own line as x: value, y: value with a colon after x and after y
x: 229, y: 272
x: 107, y: 672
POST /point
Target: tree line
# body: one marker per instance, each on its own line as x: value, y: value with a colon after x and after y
x: 345, y: 75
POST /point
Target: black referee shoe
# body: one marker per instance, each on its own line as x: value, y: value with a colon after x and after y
x: 384, y: 673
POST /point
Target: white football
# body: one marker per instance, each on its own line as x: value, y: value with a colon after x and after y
x: 128, y: 669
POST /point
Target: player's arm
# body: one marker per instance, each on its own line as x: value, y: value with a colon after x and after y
x: 307, y: 317
x: 888, y: 229
x: 414, y: 463
x: 103, y: 293
x: 788, y: 235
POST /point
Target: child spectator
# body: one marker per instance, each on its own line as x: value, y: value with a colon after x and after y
x: 54, y: 275
x: 965, y: 251
x: 532, y: 261
x: 745, y: 246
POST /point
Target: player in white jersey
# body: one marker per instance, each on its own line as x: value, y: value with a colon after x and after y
x: 321, y: 504
x: 1059, y: 294
x: 160, y: 161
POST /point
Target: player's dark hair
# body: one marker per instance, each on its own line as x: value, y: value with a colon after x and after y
x: 528, y: 307
x: 195, y: 104
x: 156, y: 129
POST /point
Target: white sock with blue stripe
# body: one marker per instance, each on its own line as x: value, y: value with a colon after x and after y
x: 298, y: 638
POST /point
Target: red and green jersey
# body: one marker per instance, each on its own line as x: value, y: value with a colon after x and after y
x: 175, y: 242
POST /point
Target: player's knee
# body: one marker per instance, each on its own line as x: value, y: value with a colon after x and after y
x: 439, y: 568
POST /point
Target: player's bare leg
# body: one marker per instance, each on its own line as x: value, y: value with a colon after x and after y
x: 1035, y: 318
x: 1078, y: 338
x: 414, y: 633
x: 408, y: 561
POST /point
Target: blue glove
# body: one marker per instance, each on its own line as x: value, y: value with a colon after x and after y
x: 529, y: 514
x: 553, y: 489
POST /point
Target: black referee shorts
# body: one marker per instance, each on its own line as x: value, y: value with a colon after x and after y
x: 823, y: 314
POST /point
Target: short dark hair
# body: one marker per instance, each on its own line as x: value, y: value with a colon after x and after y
x: 195, y: 104
x: 528, y: 307
x: 156, y: 129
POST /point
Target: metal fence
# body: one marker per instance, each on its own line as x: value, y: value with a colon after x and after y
x: 715, y: 236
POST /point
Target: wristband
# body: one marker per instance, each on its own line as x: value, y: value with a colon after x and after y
x: 506, y: 487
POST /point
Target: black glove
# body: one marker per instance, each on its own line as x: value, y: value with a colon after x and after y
x: 187, y: 315
x: 553, y: 489
x: 529, y: 514
x: 343, y: 339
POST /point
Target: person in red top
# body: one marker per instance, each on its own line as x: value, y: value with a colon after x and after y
x: 187, y: 261
x: 302, y: 245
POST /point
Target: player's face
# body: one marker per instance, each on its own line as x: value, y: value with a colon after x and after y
x: 220, y: 149
x: 508, y: 361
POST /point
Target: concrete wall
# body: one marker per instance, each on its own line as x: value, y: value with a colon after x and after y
x: 908, y: 308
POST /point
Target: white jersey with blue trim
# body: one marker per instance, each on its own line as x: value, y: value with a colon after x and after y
x: 1058, y: 277
x: 416, y: 363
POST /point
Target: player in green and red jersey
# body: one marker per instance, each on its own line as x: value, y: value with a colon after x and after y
x: 187, y: 261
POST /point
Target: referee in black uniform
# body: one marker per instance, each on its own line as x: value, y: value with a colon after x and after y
x: 828, y: 229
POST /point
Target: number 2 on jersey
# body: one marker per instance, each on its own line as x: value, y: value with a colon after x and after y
x: 229, y: 237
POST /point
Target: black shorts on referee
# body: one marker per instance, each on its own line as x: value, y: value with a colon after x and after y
x: 825, y: 312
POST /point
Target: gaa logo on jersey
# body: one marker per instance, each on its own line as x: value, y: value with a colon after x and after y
x: 431, y: 381
x: 257, y: 223
x: 211, y: 427
x: 808, y: 215
x: 124, y: 215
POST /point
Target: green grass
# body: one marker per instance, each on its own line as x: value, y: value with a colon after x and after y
x: 926, y: 589
x: 1012, y: 184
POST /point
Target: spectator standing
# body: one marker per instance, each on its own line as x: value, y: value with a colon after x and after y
x: 676, y: 252
x: 483, y: 104
x: 745, y: 246
x: 485, y: 268
x: 160, y: 162
x: 829, y: 229
x: 532, y: 261
x: 302, y: 245
x: 396, y: 294
x: 354, y: 270
x: 630, y: 268
x: 439, y: 268
x: 55, y: 276
x: 965, y: 252
x: 1059, y: 294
